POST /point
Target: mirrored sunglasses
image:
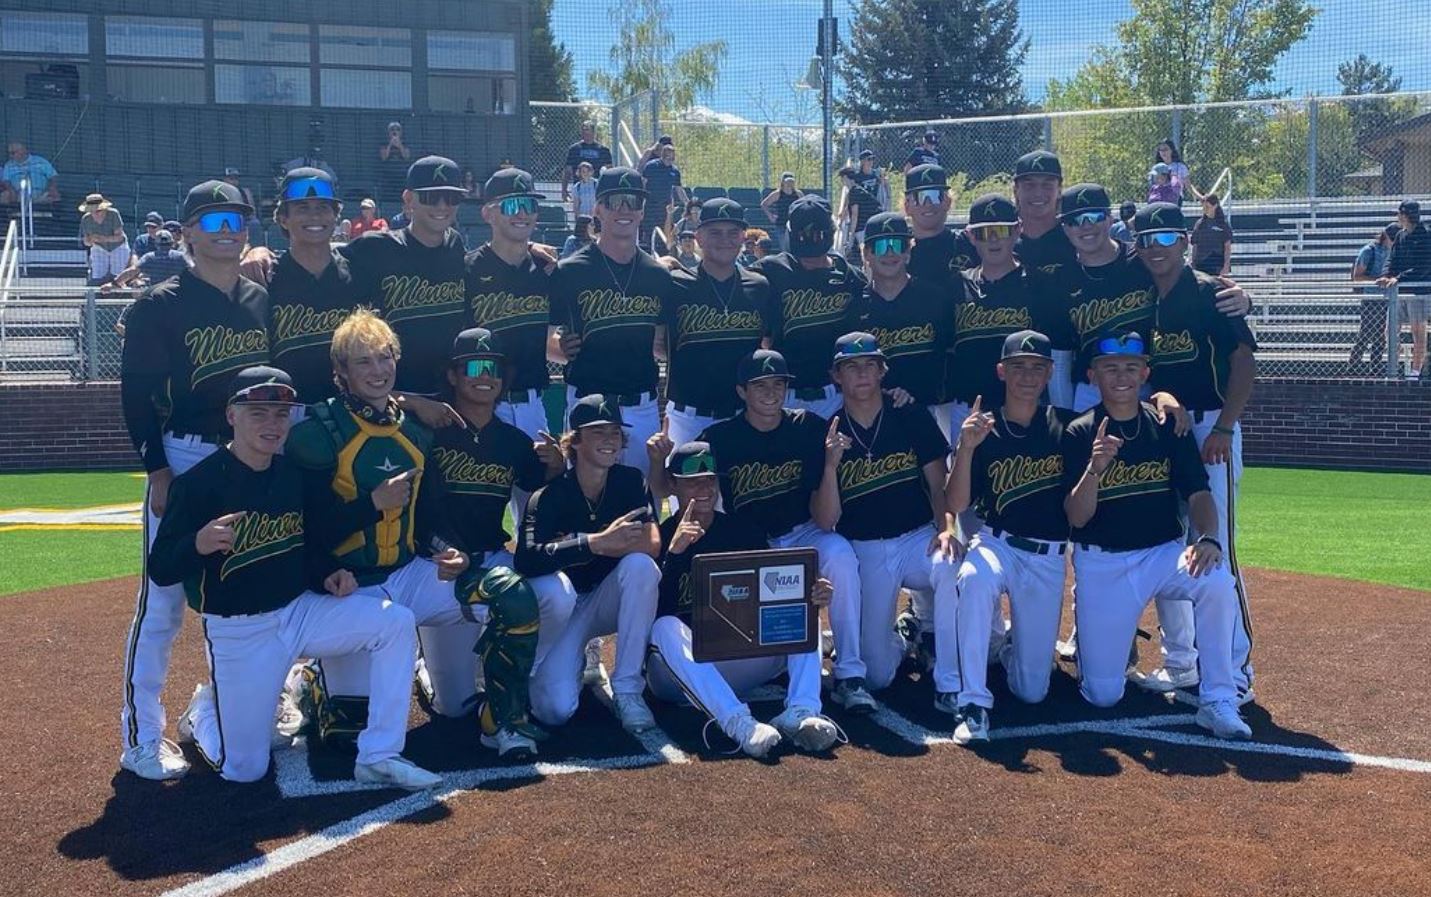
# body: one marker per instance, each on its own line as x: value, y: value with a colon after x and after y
x: 888, y: 245
x: 696, y: 465
x: 929, y: 196
x: 273, y: 393
x: 633, y: 202
x: 215, y: 222
x: 482, y: 367
x: 1161, y: 238
x: 439, y: 197
x: 1126, y: 344
x: 518, y: 205
x: 308, y: 188
x: 1090, y: 216
x: 985, y: 233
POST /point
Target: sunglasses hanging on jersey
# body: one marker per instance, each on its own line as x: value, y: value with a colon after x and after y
x: 929, y: 196
x: 631, y: 202
x: 985, y: 233
x: 1161, y: 238
x: 308, y: 188
x: 1091, y: 216
x: 517, y: 205
x: 216, y: 222
x: 888, y: 246
x: 439, y: 197
x: 482, y: 367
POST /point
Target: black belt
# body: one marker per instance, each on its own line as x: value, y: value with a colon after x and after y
x: 1032, y: 546
x: 809, y: 393
x: 700, y: 412
x: 214, y: 438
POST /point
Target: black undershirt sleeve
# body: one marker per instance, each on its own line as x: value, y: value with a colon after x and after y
x: 174, y: 555
x: 539, y: 551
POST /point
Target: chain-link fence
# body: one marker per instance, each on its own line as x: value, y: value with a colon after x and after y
x: 555, y: 127
x: 55, y: 335
x: 722, y: 154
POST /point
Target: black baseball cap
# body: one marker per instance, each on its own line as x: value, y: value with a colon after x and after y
x: 1127, y: 210
x: 931, y: 135
x: 434, y: 173
x: 507, y: 182
x: 886, y: 224
x: 261, y: 384
x: 307, y: 183
x: 163, y: 238
x: 812, y: 227
x: 866, y: 154
x: 856, y: 345
x: 211, y: 195
x: 1038, y: 162
x: 1160, y: 217
x: 1027, y: 344
x: 665, y: 140
x: 154, y: 218
x: 1083, y: 198
x: 620, y: 180
x: 722, y: 209
x: 691, y: 459
x: 991, y: 208
x: 926, y: 176
x: 173, y: 226
x: 1392, y: 230
x: 1410, y: 208
x: 762, y: 364
x: 1127, y: 343
x: 686, y: 233
x: 476, y: 342
x: 594, y: 410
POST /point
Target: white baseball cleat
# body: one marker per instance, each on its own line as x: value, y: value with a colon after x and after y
x: 806, y: 729
x: 155, y: 760
x: 973, y: 725
x: 1222, y: 719
x: 510, y: 744
x: 852, y: 695
x: 635, y: 716
x: 593, y: 673
x: 397, y: 772
x: 755, y: 738
x: 1166, y: 679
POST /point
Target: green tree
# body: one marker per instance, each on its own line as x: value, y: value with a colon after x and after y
x: 645, y: 58
x: 548, y: 62
x: 1370, y: 117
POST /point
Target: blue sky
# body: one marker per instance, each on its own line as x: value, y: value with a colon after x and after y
x: 770, y: 42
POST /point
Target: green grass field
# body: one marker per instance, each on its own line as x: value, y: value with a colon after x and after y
x: 1363, y: 526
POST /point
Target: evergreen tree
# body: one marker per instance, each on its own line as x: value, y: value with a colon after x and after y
x: 549, y: 62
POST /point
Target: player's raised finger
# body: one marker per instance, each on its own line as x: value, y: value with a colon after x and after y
x: 1103, y: 428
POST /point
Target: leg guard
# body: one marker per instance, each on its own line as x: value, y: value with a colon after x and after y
x: 508, y: 645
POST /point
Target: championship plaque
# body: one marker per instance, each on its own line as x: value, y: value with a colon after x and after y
x: 754, y: 604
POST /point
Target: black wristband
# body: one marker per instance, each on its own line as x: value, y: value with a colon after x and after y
x: 1211, y: 541
x: 1219, y: 428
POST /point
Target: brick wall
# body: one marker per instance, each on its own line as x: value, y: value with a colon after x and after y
x: 1297, y: 423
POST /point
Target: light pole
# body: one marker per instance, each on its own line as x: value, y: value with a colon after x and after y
x: 822, y: 70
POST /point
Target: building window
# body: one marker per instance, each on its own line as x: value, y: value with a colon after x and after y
x: 475, y: 94
x: 265, y: 85
x: 140, y: 83
x: 154, y: 38
x: 35, y: 33
x: 358, y: 45
x: 35, y: 80
x: 261, y: 41
x: 361, y: 89
x: 471, y: 51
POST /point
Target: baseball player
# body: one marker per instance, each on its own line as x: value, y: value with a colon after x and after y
x: 1125, y: 473
x: 370, y: 506
x: 609, y: 297
x: 481, y: 464
x: 233, y: 535
x: 926, y: 152
x: 1009, y: 467
x: 1042, y: 244
x: 714, y: 688
x: 1205, y: 359
x: 716, y: 317
x: 507, y: 294
x: 595, y: 528
x: 815, y: 301
x: 184, y: 343
x: 770, y: 459
x: 883, y: 490
x: 938, y: 251
x: 311, y: 289
x: 860, y: 205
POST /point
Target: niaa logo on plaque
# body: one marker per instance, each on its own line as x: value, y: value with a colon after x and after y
x: 783, y: 583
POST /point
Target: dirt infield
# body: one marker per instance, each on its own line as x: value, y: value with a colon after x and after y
x: 1333, y: 796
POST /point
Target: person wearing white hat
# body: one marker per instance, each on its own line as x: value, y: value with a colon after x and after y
x: 102, y: 232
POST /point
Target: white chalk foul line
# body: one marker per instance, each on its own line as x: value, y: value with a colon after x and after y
x: 914, y: 733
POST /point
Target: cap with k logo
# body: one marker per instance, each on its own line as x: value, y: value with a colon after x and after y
x: 1038, y: 162
x: 1158, y: 217
x: 1084, y: 198
x: 691, y: 459
x: 762, y: 364
x: 595, y: 410
x: 509, y: 182
x: 212, y: 195
x: 1027, y: 344
x: 620, y: 180
x: 434, y: 173
x: 857, y: 345
x: 925, y: 177
x: 476, y: 342
x: 722, y: 209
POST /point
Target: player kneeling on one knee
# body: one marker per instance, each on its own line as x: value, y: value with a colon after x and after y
x: 594, y: 526
x: 715, y: 688
x: 883, y: 490
x: 1009, y: 467
x: 234, y: 534
x: 1126, y: 473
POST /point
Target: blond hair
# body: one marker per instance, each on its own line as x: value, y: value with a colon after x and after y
x: 362, y: 329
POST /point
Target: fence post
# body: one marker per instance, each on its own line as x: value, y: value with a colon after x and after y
x: 765, y: 154
x: 1393, y: 334
x: 615, y: 134
x: 1177, y: 132
x: 1048, y: 133
x: 1312, y: 149
x: 91, y: 335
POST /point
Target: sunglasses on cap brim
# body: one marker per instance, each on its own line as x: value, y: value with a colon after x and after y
x: 266, y: 394
x: 926, y: 196
x: 439, y: 197
x: 1087, y: 216
x: 695, y: 466
x: 633, y: 202
x: 1161, y: 238
x: 888, y: 245
x: 216, y: 222
x: 1121, y: 345
x: 517, y: 205
x: 308, y: 188
x: 984, y: 233
x: 481, y: 367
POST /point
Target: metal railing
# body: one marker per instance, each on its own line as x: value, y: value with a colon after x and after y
x: 52, y: 334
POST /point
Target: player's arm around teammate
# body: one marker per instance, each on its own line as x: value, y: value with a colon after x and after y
x: 594, y: 528
x: 235, y: 539
x: 715, y: 688
x: 1009, y: 465
x: 882, y: 488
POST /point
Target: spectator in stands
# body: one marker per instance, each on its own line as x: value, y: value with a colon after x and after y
x: 860, y: 206
x: 686, y: 247
x: 153, y: 267
x: 747, y: 257
x: 1410, y: 260
x: 583, y: 192
x: 580, y: 236
x: 692, y: 217
x: 927, y: 152
x: 255, y: 226
x: 1160, y: 185
x: 102, y: 232
x: 1370, y: 265
x: 393, y: 158
x: 471, y: 187
x: 314, y: 159
x: 144, y: 243
x: 44, y: 184
x: 1212, y: 238
x: 777, y: 205
x: 587, y: 149
x: 1166, y: 153
x: 367, y: 220
x: 765, y: 246
x: 1122, y: 229
x: 871, y: 180
x: 654, y: 150
x: 663, y: 189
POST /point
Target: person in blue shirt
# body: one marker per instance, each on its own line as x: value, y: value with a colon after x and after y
x: 1370, y: 264
x: 44, y: 187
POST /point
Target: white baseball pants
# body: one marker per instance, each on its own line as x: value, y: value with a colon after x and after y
x: 105, y: 264
x: 886, y: 565
x: 825, y: 406
x: 839, y: 565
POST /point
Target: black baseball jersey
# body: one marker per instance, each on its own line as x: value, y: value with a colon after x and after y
x: 598, y: 155
x: 915, y: 330
x: 868, y: 182
x: 615, y: 309
x: 985, y: 312
x: 559, y: 518
x: 677, y: 591
x: 479, y: 467
x: 920, y: 156
x: 1016, y: 478
x: 883, y: 493
x: 767, y: 478
x: 865, y: 204
x: 420, y: 291
x: 1193, y: 342
x: 183, y: 344
x: 511, y: 301
x: 943, y: 255
x: 268, y: 566
x: 1139, y: 492
x: 1105, y: 301
x: 710, y: 326
x: 809, y: 311
x: 303, y: 312
x: 1050, y: 253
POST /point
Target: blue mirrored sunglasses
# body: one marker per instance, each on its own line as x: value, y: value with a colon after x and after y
x: 308, y: 188
x: 1090, y: 216
x: 478, y: 367
x: 518, y: 205
x: 888, y: 245
x: 1121, y: 345
x: 1161, y: 238
x: 214, y: 222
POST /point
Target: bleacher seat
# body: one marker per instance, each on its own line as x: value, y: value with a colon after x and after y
x: 469, y: 213
x: 550, y: 213
x: 705, y: 193
x: 746, y: 196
